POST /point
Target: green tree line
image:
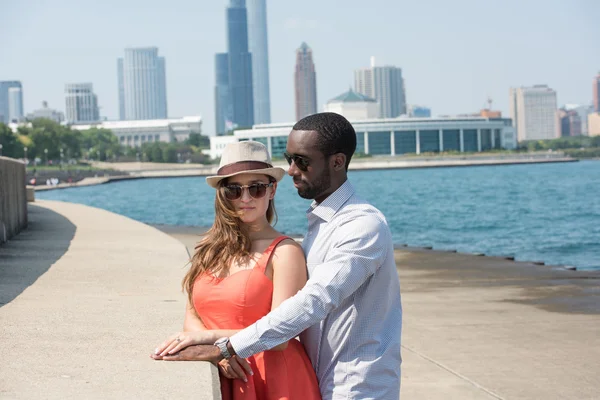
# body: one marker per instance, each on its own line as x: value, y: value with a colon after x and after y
x: 48, y: 140
x: 563, y: 143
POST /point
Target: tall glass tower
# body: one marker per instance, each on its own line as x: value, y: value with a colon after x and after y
x: 223, y: 106
x: 142, y: 84
x: 8, y: 97
x: 258, y: 45
x: 240, y: 64
x: 305, y: 83
x: 15, y: 104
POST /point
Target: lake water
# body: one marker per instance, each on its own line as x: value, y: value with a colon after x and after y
x: 542, y: 212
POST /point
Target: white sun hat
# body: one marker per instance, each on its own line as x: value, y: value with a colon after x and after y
x: 247, y: 157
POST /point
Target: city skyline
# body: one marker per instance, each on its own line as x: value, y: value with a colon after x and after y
x: 435, y: 47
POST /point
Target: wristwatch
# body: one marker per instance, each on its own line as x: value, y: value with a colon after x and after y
x: 222, y: 345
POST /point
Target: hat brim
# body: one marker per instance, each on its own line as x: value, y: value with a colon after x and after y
x: 274, y: 172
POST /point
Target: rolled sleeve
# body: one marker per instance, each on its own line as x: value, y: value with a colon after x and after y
x: 359, y: 250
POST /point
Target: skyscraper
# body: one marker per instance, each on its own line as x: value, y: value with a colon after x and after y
x: 570, y: 122
x: 142, y: 84
x: 15, y: 104
x: 386, y: 85
x: 534, y: 113
x: 305, y: 82
x: 223, y: 106
x: 240, y: 64
x: 583, y: 111
x: 121, y: 89
x: 5, y: 86
x: 81, y: 103
x: 596, y: 93
x: 258, y: 47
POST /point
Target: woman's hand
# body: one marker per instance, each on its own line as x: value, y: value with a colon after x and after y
x: 180, y: 341
x: 235, y: 368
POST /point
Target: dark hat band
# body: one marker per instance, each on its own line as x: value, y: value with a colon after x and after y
x: 241, y: 166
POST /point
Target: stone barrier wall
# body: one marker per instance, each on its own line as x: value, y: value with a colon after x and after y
x: 13, y: 198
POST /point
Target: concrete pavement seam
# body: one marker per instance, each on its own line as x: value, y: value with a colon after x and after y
x: 454, y: 373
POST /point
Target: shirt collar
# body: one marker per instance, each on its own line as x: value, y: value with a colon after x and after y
x: 327, y: 209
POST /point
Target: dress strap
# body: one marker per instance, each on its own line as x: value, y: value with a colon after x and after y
x: 266, y: 255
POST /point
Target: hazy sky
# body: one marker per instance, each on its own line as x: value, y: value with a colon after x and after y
x: 454, y: 54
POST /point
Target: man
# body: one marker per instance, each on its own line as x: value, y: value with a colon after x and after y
x: 349, y: 314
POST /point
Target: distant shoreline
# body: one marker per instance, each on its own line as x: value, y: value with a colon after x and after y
x: 190, y: 235
x: 153, y: 170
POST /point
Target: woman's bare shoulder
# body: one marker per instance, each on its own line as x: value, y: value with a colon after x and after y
x: 287, y: 250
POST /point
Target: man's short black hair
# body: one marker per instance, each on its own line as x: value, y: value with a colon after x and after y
x: 336, y: 134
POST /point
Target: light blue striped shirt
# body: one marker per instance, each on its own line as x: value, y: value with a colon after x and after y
x: 349, y: 312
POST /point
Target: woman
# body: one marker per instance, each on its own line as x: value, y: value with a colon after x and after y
x: 241, y: 270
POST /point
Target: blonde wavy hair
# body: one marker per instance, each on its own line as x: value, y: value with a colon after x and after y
x: 226, y: 242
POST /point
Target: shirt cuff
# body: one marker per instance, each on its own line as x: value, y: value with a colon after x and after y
x: 245, y: 342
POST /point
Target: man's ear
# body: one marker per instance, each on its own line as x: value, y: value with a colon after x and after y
x: 339, y: 161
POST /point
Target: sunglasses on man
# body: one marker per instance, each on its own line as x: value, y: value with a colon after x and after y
x: 301, y: 162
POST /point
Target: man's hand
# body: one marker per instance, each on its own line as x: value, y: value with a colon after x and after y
x: 200, y: 352
x: 235, y: 368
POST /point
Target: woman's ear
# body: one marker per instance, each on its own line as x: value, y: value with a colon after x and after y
x: 272, y: 196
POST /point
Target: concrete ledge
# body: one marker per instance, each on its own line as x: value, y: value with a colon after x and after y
x: 13, y: 200
x: 85, y: 296
x: 30, y: 193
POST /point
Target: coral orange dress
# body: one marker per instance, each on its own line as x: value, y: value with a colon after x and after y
x: 237, y: 301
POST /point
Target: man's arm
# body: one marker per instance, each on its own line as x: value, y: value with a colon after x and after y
x: 358, y: 254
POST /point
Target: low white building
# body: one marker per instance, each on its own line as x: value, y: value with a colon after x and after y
x: 396, y: 136
x: 218, y: 143
x: 354, y: 106
x: 47, y: 113
x: 136, y: 133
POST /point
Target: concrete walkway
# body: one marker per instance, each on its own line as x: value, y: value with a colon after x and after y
x: 490, y: 328
x: 85, y: 296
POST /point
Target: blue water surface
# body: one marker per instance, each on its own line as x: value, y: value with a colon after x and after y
x: 541, y: 212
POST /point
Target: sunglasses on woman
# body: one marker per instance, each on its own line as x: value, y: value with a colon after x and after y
x: 255, y: 190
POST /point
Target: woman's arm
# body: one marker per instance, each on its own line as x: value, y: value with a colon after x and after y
x: 289, y: 274
x: 191, y: 320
